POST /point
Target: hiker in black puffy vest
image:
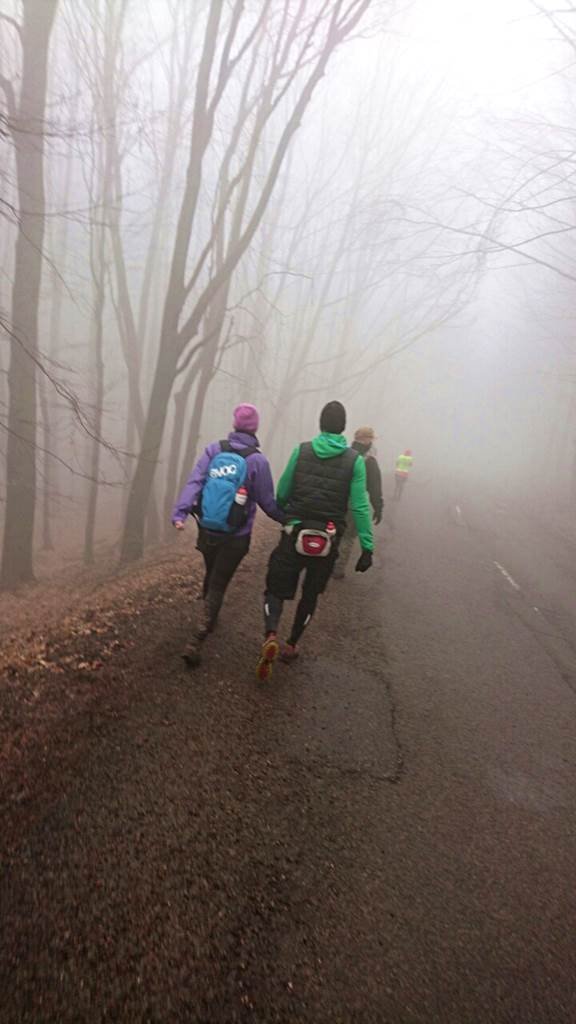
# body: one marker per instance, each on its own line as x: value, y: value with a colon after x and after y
x: 323, y: 478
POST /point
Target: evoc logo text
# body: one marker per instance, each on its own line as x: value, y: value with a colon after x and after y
x: 223, y: 471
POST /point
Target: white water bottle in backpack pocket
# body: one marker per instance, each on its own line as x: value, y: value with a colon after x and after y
x: 238, y: 514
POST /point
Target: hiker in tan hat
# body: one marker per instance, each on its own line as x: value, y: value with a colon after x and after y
x: 363, y: 439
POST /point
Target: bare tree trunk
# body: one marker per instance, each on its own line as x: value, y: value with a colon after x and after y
x: 50, y: 470
x: 153, y: 531
x: 48, y: 481
x: 98, y: 346
x: 133, y: 540
x: 101, y: 185
x: 28, y: 133
x: 191, y: 450
x: 50, y: 467
x: 180, y: 404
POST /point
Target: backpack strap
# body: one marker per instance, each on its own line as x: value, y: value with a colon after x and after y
x: 245, y: 452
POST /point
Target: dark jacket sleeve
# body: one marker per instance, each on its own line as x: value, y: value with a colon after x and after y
x: 374, y: 483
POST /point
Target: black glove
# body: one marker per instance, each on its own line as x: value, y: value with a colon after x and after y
x: 377, y: 516
x: 364, y: 562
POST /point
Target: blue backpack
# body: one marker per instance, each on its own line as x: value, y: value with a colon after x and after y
x: 226, y: 473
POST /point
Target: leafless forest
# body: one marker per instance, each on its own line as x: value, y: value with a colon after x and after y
x: 280, y: 202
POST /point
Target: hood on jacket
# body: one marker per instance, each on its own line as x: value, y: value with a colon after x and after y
x: 327, y: 446
x: 242, y: 439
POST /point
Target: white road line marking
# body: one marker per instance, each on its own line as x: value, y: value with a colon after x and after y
x: 507, y: 576
x: 459, y: 516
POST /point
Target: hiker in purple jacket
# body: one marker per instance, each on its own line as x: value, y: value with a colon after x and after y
x: 222, y: 551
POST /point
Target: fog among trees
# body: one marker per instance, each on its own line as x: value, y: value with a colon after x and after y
x: 280, y: 202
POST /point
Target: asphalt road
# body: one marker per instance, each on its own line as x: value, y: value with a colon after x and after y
x: 385, y: 833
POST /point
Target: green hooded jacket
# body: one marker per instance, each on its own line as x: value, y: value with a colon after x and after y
x: 326, y: 446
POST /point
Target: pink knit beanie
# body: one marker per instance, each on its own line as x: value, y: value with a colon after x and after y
x: 246, y: 418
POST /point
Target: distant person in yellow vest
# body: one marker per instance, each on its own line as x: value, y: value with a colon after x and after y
x: 403, y: 467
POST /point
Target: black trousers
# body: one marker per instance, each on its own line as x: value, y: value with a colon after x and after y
x: 284, y: 569
x: 222, y: 555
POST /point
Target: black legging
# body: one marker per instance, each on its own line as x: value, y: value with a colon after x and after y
x: 304, y: 611
x: 222, y: 555
x: 284, y: 569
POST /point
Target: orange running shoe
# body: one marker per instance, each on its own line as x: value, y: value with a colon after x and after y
x: 268, y: 655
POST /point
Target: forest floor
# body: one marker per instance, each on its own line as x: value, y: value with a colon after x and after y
x: 57, y: 638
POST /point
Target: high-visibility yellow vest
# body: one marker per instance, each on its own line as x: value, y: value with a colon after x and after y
x: 403, y: 464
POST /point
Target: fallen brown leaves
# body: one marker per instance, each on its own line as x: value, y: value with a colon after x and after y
x: 60, y: 677
x: 98, y: 622
x: 53, y: 672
